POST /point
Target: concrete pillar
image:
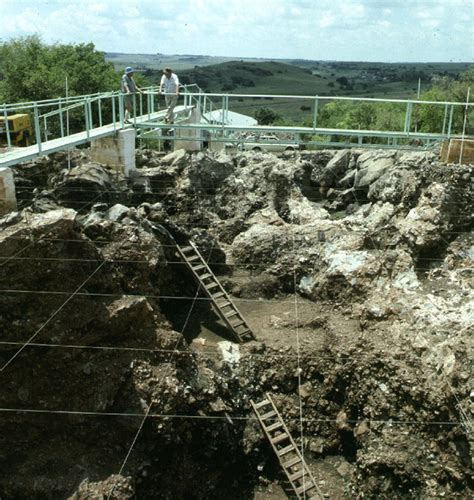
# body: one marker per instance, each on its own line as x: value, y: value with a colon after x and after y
x: 116, y: 151
x: 190, y: 140
x: 7, y: 191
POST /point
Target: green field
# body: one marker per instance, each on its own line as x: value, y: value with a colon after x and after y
x: 291, y: 77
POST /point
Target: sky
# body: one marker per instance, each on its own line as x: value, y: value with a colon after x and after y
x: 345, y: 30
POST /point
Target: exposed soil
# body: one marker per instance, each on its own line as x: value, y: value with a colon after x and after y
x: 353, y: 268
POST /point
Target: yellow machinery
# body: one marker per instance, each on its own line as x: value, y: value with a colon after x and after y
x: 19, y: 128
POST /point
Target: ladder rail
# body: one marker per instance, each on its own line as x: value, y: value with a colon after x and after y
x: 306, y: 476
x: 297, y: 449
x: 219, y: 289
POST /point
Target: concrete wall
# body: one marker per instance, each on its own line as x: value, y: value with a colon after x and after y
x: 451, y: 151
x: 117, y: 151
x: 190, y: 140
x: 7, y: 191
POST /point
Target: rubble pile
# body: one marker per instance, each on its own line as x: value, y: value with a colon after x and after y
x: 376, y: 359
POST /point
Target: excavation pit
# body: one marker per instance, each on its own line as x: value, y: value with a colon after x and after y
x: 362, y: 343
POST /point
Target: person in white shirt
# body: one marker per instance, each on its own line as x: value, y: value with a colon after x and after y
x: 169, y: 85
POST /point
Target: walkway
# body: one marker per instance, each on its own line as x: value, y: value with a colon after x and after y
x: 52, y: 118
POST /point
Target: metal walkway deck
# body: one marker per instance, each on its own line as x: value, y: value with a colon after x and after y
x: 208, y: 282
x: 18, y: 155
x: 50, y: 121
x: 289, y: 456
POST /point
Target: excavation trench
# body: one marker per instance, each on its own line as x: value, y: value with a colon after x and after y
x: 363, y: 347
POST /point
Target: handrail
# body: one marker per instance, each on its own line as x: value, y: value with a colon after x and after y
x: 109, y: 106
x: 74, y: 98
x: 152, y: 90
x: 328, y: 98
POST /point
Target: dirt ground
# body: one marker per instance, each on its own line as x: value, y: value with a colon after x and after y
x: 354, y: 270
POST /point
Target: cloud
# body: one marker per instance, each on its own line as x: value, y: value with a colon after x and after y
x: 327, y: 20
x: 326, y: 29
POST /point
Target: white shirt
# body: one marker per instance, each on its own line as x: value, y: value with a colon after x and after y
x: 169, y: 85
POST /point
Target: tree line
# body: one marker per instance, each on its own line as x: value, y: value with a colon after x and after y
x: 32, y: 70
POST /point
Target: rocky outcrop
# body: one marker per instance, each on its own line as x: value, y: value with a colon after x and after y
x: 378, y: 248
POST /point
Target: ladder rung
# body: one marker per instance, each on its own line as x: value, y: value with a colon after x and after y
x: 286, y: 450
x: 268, y: 415
x: 187, y: 249
x: 193, y: 257
x: 238, y: 325
x: 217, y: 295
x: 305, y: 487
x: 212, y: 285
x: 221, y: 305
x: 262, y: 403
x: 274, y: 426
x: 232, y: 313
x: 205, y: 276
x: 198, y: 268
x: 291, y: 462
x: 246, y: 333
x: 298, y: 475
x: 281, y: 437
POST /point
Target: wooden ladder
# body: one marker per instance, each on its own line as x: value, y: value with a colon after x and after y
x: 213, y: 289
x: 291, y: 460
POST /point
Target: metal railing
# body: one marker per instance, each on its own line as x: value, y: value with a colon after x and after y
x: 86, y: 117
x: 59, y: 118
x: 406, y: 132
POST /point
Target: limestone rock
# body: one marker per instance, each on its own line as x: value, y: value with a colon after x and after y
x: 371, y: 166
x: 334, y: 170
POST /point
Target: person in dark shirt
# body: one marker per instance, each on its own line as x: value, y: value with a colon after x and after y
x: 129, y: 88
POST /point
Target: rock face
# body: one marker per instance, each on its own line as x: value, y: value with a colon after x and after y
x: 373, y: 250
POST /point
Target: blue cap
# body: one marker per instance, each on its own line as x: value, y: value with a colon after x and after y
x: 128, y: 70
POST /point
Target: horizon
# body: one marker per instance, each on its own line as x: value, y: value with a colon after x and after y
x: 384, y: 31
x: 269, y: 59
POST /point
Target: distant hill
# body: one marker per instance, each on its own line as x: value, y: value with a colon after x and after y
x: 158, y: 61
x: 294, y: 77
x: 254, y: 78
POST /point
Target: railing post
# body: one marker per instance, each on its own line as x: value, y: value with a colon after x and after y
x: 113, y: 112
x: 134, y: 108
x: 45, y: 129
x: 99, y: 105
x: 7, y: 126
x: 408, y: 117
x: 222, y: 110
x: 89, y: 105
x: 315, y: 112
x: 61, y: 121
x: 37, y: 130
x: 450, y: 123
x: 445, y: 118
x: 141, y: 104
x: 121, y: 111
x: 148, y: 103
x: 67, y: 117
x: 86, y: 111
x: 464, y: 125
